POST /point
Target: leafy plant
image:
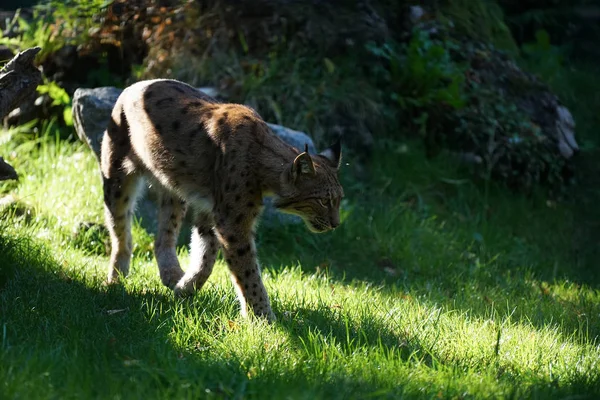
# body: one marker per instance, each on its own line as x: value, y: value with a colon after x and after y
x: 421, y: 77
x: 60, y: 98
x: 32, y: 34
x: 549, y: 59
x: 53, y: 25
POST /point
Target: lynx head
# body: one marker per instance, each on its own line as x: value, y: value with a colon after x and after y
x: 310, y: 189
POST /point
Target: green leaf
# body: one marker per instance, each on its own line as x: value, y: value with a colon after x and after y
x: 68, y: 115
x: 329, y: 65
x: 543, y: 39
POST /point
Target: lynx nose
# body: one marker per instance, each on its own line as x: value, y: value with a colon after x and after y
x: 335, y: 224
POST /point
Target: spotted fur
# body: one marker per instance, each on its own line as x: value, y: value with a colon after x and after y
x: 218, y: 159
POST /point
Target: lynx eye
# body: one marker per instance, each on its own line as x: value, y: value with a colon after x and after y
x: 322, y: 203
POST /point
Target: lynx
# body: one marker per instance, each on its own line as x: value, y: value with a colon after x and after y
x: 220, y: 160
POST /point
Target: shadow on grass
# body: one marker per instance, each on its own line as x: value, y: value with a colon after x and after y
x: 64, y: 336
x: 367, y: 333
x: 585, y: 200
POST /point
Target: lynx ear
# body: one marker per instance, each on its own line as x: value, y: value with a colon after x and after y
x: 334, y: 154
x: 303, y: 164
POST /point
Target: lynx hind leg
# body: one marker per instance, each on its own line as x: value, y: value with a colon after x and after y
x: 203, y: 252
x: 120, y: 192
x: 170, y: 216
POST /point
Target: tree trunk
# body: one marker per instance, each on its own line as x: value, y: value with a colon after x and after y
x: 18, y: 81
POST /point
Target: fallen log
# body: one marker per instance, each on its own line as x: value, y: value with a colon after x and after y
x: 19, y: 79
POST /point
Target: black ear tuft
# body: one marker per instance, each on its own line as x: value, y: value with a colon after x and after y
x: 334, y: 153
x: 337, y: 147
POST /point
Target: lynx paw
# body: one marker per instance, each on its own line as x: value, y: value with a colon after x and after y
x: 270, y: 316
x: 185, y: 287
x: 171, y: 276
x: 110, y: 282
x: 114, y: 278
x: 265, y: 313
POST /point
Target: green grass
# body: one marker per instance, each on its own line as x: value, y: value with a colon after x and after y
x: 433, y: 287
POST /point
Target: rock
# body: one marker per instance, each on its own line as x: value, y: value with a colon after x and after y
x: 91, y: 113
x: 19, y: 79
x: 565, y: 129
x: 415, y: 14
x: 295, y: 138
x: 7, y: 171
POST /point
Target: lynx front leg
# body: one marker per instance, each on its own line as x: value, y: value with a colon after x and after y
x: 204, y: 249
x: 120, y: 191
x: 237, y: 239
x: 170, y: 215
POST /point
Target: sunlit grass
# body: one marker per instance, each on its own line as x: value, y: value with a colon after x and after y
x: 428, y: 289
